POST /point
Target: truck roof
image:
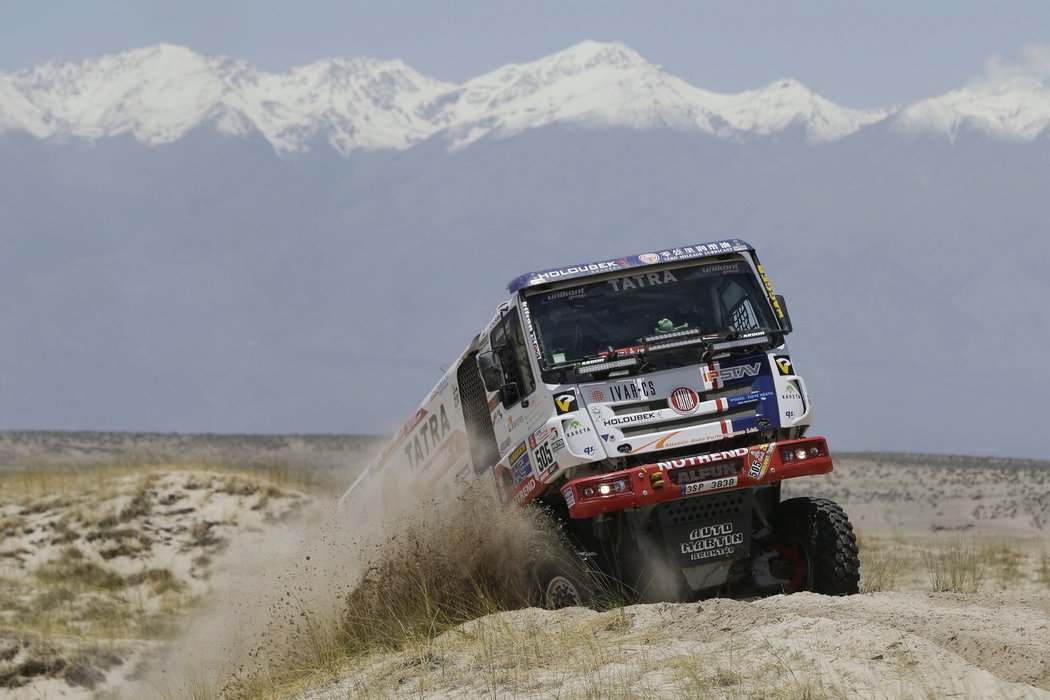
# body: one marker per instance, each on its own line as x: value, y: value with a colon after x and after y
x: 688, y: 252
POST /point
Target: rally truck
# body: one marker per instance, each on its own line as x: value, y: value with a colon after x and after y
x: 649, y: 403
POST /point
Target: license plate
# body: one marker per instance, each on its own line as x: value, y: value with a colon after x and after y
x: 710, y: 485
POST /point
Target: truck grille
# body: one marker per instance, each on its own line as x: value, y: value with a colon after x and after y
x: 727, y: 504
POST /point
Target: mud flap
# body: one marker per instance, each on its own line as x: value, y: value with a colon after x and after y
x: 709, y: 529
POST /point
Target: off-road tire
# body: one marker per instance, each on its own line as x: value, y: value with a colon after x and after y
x: 824, y: 533
x: 560, y: 579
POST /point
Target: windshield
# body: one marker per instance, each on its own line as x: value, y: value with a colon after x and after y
x: 576, y: 323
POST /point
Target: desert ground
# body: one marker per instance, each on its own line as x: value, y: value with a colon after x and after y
x: 174, y: 566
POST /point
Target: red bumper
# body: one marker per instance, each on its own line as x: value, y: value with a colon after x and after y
x: 659, y: 482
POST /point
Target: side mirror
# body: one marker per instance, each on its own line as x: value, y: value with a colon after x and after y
x: 785, y: 322
x: 491, y: 374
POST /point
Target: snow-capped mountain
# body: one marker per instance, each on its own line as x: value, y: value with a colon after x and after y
x: 1017, y: 109
x: 159, y: 93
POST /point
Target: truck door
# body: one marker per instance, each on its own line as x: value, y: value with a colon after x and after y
x: 513, y: 411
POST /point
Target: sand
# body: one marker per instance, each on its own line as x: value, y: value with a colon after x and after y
x: 222, y: 538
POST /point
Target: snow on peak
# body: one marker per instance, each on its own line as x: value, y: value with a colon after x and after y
x: 786, y: 103
x: 159, y: 93
x: 1017, y: 108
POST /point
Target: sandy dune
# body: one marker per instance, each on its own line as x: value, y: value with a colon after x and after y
x: 881, y: 645
x: 103, y: 571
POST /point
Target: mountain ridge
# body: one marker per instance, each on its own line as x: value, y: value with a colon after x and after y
x: 161, y: 92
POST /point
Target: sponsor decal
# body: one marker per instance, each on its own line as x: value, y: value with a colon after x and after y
x: 428, y: 435
x: 521, y: 468
x: 607, y: 437
x: 711, y: 541
x: 505, y: 445
x: 544, y: 456
x: 684, y: 400
x: 703, y: 459
x: 448, y: 454
x: 722, y: 374
x: 525, y: 491
x: 649, y: 258
x: 719, y: 269
x: 455, y: 394
x: 558, y: 444
x: 668, y: 442
x: 549, y: 471
x: 527, y: 315
x: 577, y: 428
x: 633, y: 391
x: 784, y: 365
x: 566, y: 402
x: 597, y: 395
x: 518, y: 452
x: 539, y: 436
x: 562, y: 294
x: 712, y: 471
x: 633, y: 418
x: 439, y: 388
x: 648, y: 279
x: 703, y: 249
x: 711, y: 485
x: 574, y: 270
x: 760, y: 458
x: 789, y: 414
x: 589, y: 450
x: 513, y: 422
x: 570, y: 499
x: 769, y: 290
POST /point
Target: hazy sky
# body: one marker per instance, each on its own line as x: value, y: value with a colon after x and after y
x: 860, y: 54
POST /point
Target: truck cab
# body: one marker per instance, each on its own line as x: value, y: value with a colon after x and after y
x: 651, y: 404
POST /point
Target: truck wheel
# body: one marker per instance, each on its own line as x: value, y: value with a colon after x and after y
x: 816, y: 546
x: 560, y: 582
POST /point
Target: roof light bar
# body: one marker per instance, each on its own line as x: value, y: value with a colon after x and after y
x: 603, y: 365
x: 677, y: 344
x: 730, y: 344
x: 673, y: 334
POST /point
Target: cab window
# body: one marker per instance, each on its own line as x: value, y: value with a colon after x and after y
x: 508, y: 344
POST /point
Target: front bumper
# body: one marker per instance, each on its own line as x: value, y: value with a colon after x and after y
x: 659, y: 482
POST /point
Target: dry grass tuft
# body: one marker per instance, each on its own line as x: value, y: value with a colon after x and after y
x: 1004, y: 562
x: 882, y: 564
x: 72, y: 569
x: 957, y: 567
